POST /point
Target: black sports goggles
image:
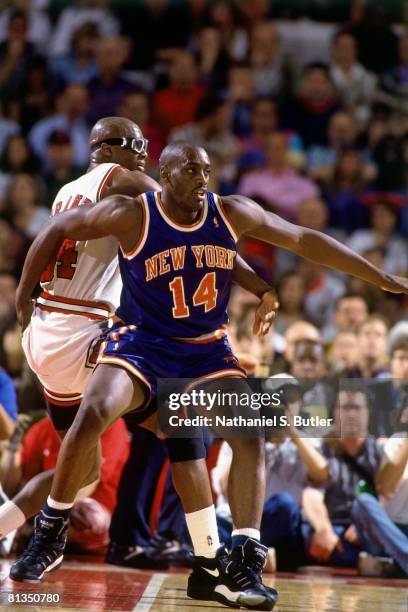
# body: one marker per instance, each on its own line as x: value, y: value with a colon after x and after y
x: 137, y: 145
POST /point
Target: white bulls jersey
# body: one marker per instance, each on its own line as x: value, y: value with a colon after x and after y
x: 84, y: 276
x: 80, y: 290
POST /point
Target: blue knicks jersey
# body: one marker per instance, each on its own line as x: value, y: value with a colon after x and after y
x: 177, y: 280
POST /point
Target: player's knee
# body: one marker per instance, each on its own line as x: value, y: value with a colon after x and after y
x: 94, y: 417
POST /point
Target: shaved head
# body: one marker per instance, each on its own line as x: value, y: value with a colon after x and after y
x: 113, y: 127
x: 180, y: 151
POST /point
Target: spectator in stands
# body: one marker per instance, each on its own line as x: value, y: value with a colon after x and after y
x: 301, y: 330
x: 277, y: 183
x: 72, y: 17
x: 241, y: 94
x: 8, y: 128
x: 309, y: 366
x: 314, y: 214
x: 383, y: 523
x: 349, y: 314
x: 224, y: 16
x: 291, y: 293
x: 354, y: 84
x: 290, y: 462
x: 342, y: 135
x: 211, y: 58
x: 264, y: 122
x: 394, y: 83
x: 323, y: 289
x: 136, y: 107
x: 8, y: 406
x: 8, y: 286
x: 24, y: 204
x: 211, y: 130
x: 72, y: 106
x: 352, y: 456
x: 177, y: 104
x: 344, y: 192
x: 315, y: 104
x: 372, y: 342
x: 8, y: 419
x: 34, y: 98
x: 344, y: 352
x: 388, y: 154
x: 266, y: 59
x: 17, y: 157
x: 91, y: 516
x: 384, y: 217
x: 109, y: 87
x: 13, y: 247
x: 79, y: 65
x: 38, y: 23
x: 377, y: 43
x: 60, y: 157
x: 16, y: 54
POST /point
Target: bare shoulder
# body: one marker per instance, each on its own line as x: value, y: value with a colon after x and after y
x: 131, y: 183
x: 243, y: 212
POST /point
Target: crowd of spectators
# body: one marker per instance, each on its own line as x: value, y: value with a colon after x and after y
x: 308, y: 118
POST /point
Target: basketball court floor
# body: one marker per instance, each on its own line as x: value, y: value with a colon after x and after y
x: 85, y: 586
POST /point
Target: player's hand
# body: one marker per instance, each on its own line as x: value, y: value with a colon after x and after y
x: 323, y: 543
x: 265, y: 313
x: 24, y: 310
x: 395, y: 284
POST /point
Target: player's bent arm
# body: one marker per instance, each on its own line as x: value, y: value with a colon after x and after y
x: 249, y: 218
x: 117, y: 216
x: 130, y: 183
x: 247, y: 278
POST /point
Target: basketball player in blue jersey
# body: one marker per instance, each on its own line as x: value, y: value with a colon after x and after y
x: 177, y: 256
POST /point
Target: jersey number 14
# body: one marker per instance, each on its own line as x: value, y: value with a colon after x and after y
x: 205, y: 295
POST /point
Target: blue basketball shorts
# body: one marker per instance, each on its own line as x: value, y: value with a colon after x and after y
x: 148, y: 357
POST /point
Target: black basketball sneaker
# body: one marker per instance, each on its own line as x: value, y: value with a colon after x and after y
x: 45, y: 550
x: 206, y: 572
x: 240, y: 584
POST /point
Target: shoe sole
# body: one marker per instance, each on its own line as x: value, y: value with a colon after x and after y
x: 251, y: 602
x: 51, y: 568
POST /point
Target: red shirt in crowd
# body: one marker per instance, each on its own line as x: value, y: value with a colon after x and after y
x: 41, y: 446
x: 174, y: 107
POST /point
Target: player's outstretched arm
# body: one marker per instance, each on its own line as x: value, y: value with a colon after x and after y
x: 250, y: 219
x: 117, y: 216
x: 247, y: 278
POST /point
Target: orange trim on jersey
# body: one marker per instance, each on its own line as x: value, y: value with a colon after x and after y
x: 226, y: 218
x: 89, y: 315
x: 175, y: 224
x: 224, y: 374
x: 217, y: 336
x: 65, y: 300
x: 143, y: 233
x: 216, y: 374
x: 103, y: 183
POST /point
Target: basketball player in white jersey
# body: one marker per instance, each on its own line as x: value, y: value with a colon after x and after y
x: 80, y: 292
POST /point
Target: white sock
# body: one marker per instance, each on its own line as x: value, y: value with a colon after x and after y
x: 202, y: 526
x: 58, y: 505
x: 255, y: 534
x: 11, y: 518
